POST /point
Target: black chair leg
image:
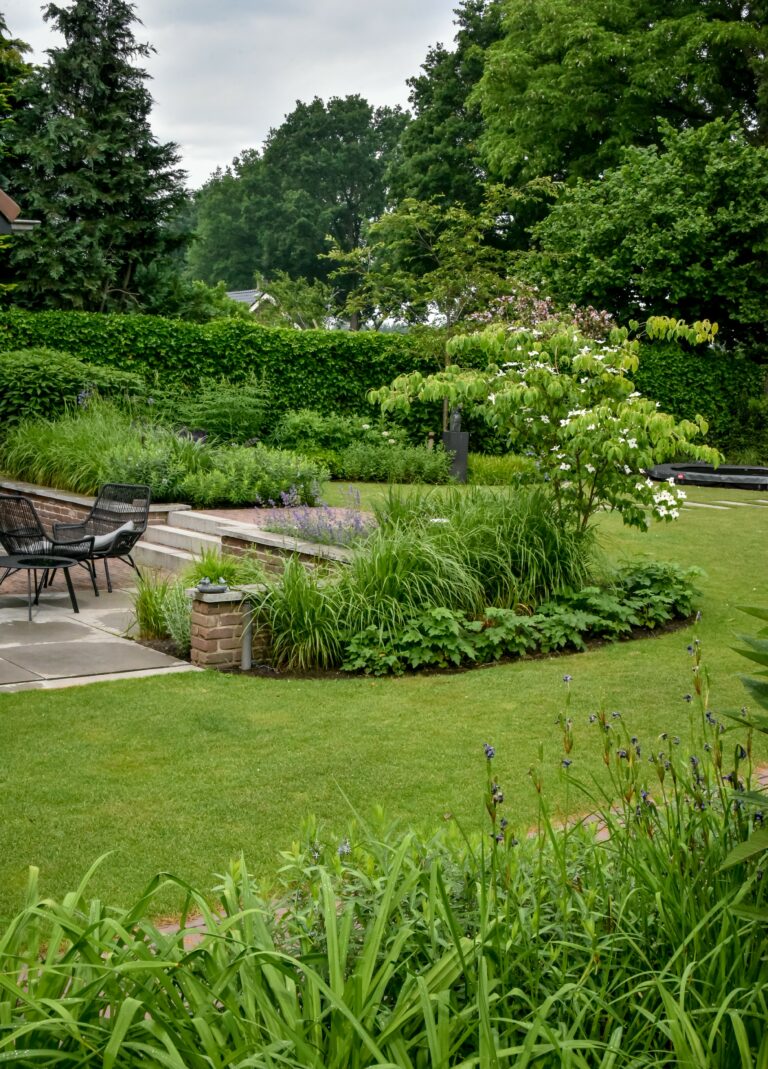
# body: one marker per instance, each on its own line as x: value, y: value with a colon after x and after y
x: 91, y: 566
x: 71, y: 590
x: 109, y: 578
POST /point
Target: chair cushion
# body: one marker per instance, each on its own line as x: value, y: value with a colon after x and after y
x: 102, y: 541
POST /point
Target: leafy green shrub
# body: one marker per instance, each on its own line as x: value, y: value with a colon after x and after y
x: 503, y: 470
x: 390, y: 462
x: 42, y: 382
x: 307, y: 429
x: 101, y: 443
x: 231, y: 412
x: 643, y: 596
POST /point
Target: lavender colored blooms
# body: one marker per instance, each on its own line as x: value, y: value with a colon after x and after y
x: 490, y: 752
x: 320, y: 524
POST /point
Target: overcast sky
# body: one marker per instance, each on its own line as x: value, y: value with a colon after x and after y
x: 226, y: 71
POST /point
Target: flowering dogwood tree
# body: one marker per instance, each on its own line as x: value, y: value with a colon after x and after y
x: 569, y: 401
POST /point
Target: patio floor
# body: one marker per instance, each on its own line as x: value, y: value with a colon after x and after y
x: 59, y: 648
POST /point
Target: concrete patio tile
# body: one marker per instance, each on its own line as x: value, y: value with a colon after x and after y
x: 58, y: 660
x: 12, y: 673
x: 107, y: 677
x: 23, y: 633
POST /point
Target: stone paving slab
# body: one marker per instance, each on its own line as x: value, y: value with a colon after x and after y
x: 57, y: 660
x: 13, y: 673
x: 59, y: 648
x: 22, y: 632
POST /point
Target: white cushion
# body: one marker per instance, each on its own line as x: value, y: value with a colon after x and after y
x: 102, y: 541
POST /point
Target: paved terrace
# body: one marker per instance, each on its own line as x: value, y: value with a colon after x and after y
x: 59, y: 648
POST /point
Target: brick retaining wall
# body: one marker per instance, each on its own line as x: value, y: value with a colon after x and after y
x: 60, y: 506
x: 273, y: 549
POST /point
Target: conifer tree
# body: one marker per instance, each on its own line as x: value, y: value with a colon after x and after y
x: 90, y: 169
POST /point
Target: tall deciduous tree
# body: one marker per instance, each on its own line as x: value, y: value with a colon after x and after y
x: 423, y: 258
x: 90, y: 168
x: 321, y: 173
x: 679, y: 231
x: 227, y: 241
x: 574, y: 81
x: 438, y: 153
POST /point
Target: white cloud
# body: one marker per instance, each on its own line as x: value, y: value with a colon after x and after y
x: 224, y: 73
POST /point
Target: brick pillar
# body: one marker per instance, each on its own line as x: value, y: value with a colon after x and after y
x: 218, y: 622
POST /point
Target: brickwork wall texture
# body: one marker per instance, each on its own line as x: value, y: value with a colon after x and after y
x: 51, y: 509
x: 217, y: 635
x: 272, y: 557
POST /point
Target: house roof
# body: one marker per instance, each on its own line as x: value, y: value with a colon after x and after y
x: 9, y: 209
x: 244, y: 296
x: 9, y: 217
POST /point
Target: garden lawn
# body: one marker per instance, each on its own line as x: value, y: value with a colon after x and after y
x: 180, y: 773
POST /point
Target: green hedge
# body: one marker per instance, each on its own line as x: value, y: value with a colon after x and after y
x: 331, y: 371
x: 719, y: 385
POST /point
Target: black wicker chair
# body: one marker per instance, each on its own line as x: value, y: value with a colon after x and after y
x: 116, y: 522
x: 22, y: 534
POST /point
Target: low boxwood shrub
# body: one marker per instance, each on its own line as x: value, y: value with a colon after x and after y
x: 42, y: 382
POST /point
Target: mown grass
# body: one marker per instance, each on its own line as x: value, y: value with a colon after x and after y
x: 182, y: 773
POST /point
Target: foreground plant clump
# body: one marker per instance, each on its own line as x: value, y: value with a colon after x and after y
x: 467, y: 578
x: 635, y: 937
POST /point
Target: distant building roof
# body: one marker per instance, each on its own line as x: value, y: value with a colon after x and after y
x: 9, y: 217
x: 244, y: 296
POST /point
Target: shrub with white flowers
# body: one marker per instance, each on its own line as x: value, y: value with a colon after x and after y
x: 569, y: 400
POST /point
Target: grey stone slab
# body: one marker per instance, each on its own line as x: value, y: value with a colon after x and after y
x: 118, y: 621
x: 24, y: 633
x: 12, y: 673
x: 58, y: 660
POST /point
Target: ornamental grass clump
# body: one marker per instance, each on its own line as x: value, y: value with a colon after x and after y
x: 626, y: 938
x: 101, y: 442
x: 513, y: 543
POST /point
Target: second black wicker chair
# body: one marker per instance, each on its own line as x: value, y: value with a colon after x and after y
x: 22, y: 534
x: 116, y: 522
